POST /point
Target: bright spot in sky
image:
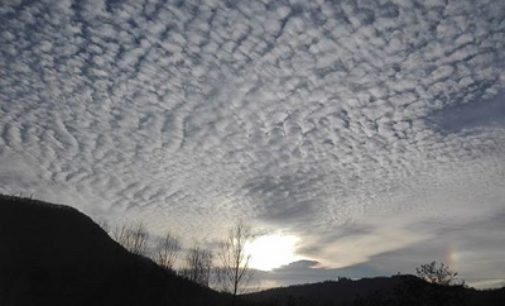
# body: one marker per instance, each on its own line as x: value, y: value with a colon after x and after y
x: 272, y: 251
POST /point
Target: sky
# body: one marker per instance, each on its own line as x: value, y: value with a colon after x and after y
x: 372, y: 133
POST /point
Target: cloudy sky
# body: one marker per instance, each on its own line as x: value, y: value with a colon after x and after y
x: 372, y: 131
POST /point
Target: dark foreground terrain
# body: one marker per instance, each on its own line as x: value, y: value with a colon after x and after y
x: 405, y: 290
x: 54, y: 255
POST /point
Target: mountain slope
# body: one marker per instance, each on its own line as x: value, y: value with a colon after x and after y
x: 55, y: 255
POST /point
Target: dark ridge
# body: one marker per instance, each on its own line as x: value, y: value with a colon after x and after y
x: 398, y: 290
x: 55, y: 255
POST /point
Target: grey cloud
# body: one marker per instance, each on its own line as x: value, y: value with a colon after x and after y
x: 471, y: 116
x: 330, y: 235
x: 283, y: 199
x: 307, y: 271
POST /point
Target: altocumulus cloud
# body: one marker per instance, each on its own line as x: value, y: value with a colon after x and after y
x: 359, y: 126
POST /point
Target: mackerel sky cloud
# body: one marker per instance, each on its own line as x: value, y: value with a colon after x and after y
x: 372, y: 130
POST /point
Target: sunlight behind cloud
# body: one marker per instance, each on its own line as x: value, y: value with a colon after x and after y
x: 272, y: 251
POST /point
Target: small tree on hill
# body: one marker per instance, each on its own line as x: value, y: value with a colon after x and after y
x: 436, y: 273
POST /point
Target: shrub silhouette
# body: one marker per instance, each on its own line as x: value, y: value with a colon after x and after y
x: 436, y: 273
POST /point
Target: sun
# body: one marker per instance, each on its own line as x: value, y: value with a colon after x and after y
x: 271, y: 251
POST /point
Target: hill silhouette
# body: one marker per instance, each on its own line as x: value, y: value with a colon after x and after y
x: 55, y: 255
x: 395, y: 290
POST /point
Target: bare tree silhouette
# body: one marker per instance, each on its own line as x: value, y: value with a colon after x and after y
x: 234, y: 271
x: 167, y: 251
x: 134, y: 238
x: 104, y: 225
x: 198, y: 265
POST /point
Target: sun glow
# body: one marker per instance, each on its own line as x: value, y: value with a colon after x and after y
x: 272, y: 251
